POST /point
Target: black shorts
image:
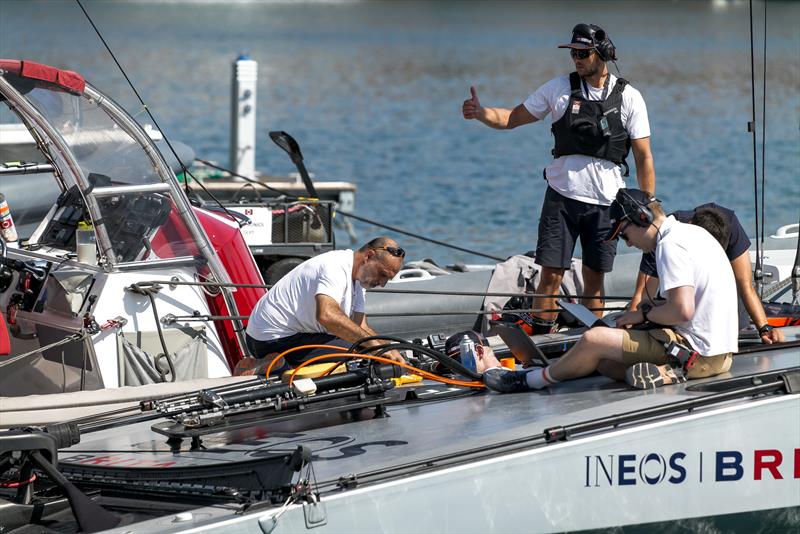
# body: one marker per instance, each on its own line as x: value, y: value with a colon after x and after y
x: 260, y: 349
x: 563, y: 220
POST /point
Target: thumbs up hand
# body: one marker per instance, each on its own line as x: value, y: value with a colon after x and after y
x: 472, y: 105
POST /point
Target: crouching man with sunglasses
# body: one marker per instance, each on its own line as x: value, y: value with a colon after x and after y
x: 596, y: 119
x: 698, y: 324
x: 322, y: 302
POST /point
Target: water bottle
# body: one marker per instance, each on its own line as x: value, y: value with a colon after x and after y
x: 85, y: 241
x: 467, y: 350
x: 7, y: 229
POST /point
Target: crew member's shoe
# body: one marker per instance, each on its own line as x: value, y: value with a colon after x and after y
x: 505, y: 381
x: 649, y: 376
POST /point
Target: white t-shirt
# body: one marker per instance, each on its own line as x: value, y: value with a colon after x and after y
x: 584, y: 178
x: 687, y: 255
x: 290, y: 307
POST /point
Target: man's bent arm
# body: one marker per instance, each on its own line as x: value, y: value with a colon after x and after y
x: 744, y: 285
x: 678, y: 308
x: 505, y: 119
x: 335, y: 322
x: 645, y: 168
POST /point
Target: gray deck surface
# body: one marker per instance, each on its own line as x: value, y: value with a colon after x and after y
x: 345, y: 445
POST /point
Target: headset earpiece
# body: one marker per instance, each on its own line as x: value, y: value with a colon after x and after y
x: 638, y: 213
x: 605, y: 48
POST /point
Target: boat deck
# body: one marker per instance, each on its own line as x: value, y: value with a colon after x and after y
x: 443, y: 423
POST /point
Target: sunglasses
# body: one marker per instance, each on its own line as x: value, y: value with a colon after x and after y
x: 624, y: 229
x: 397, y: 252
x: 581, y: 54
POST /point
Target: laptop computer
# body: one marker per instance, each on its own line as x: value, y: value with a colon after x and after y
x: 585, y: 316
x: 521, y: 345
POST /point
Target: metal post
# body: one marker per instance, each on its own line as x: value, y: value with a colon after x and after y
x: 243, y: 116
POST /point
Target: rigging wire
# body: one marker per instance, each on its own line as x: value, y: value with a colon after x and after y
x: 763, y: 139
x: 758, y: 273
x: 145, y: 107
x: 399, y: 291
x: 357, y: 217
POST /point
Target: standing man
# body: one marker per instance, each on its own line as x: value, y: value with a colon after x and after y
x: 699, y: 313
x: 716, y: 220
x: 596, y: 119
x: 322, y: 302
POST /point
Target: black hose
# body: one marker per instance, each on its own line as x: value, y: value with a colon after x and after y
x: 453, y: 365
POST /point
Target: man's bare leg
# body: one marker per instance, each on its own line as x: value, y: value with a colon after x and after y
x: 612, y: 369
x: 593, y: 287
x: 583, y: 359
x: 549, y: 284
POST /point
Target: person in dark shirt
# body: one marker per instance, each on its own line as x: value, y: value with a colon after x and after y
x: 736, y: 245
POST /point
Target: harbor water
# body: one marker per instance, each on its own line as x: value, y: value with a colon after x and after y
x: 373, y: 90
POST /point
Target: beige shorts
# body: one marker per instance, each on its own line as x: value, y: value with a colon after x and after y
x: 648, y: 346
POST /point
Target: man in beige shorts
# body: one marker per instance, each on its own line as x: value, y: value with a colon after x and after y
x: 699, y: 317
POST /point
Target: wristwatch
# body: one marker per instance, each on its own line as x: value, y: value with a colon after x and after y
x: 645, y: 309
x: 765, y: 329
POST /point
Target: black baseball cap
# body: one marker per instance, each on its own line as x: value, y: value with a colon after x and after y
x: 584, y: 37
x: 625, y: 205
x: 451, y: 345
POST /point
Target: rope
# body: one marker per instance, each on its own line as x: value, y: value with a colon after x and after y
x: 150, y: 293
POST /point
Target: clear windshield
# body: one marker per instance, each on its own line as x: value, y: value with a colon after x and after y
x: 139, y: 225
x: 98, y: 143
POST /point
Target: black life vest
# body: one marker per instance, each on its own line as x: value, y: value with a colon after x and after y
x: 593, y: 128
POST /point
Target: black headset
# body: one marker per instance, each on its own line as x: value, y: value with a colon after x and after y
x: 636, y: 212
x: 605, y: 48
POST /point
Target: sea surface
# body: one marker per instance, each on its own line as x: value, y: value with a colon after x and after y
x: 373, y: 90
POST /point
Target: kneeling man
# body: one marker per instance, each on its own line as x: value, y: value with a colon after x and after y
x: 322, y: 302
x: 699, y: 312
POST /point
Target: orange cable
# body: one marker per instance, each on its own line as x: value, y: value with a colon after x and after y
x: 425, y: 374
x: 280, y: 356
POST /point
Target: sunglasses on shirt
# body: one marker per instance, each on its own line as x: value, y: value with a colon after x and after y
x: 581, y: 54
x: 397, y: 252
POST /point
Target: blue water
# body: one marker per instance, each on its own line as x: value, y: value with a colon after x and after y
x: 373, y: 90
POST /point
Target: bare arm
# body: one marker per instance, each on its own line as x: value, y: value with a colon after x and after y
x: 678, y: 308
x: 330, y: 316
x: 646, y: 288
x: 744, y: 285
x: 645, y: 169
x: 497, y: 118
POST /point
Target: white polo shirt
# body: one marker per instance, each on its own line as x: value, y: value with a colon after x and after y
x: 687, y: 255
x: 584, y: 178
x: 290, y: 307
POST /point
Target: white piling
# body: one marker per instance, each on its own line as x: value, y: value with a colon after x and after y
x: 243, y: 116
